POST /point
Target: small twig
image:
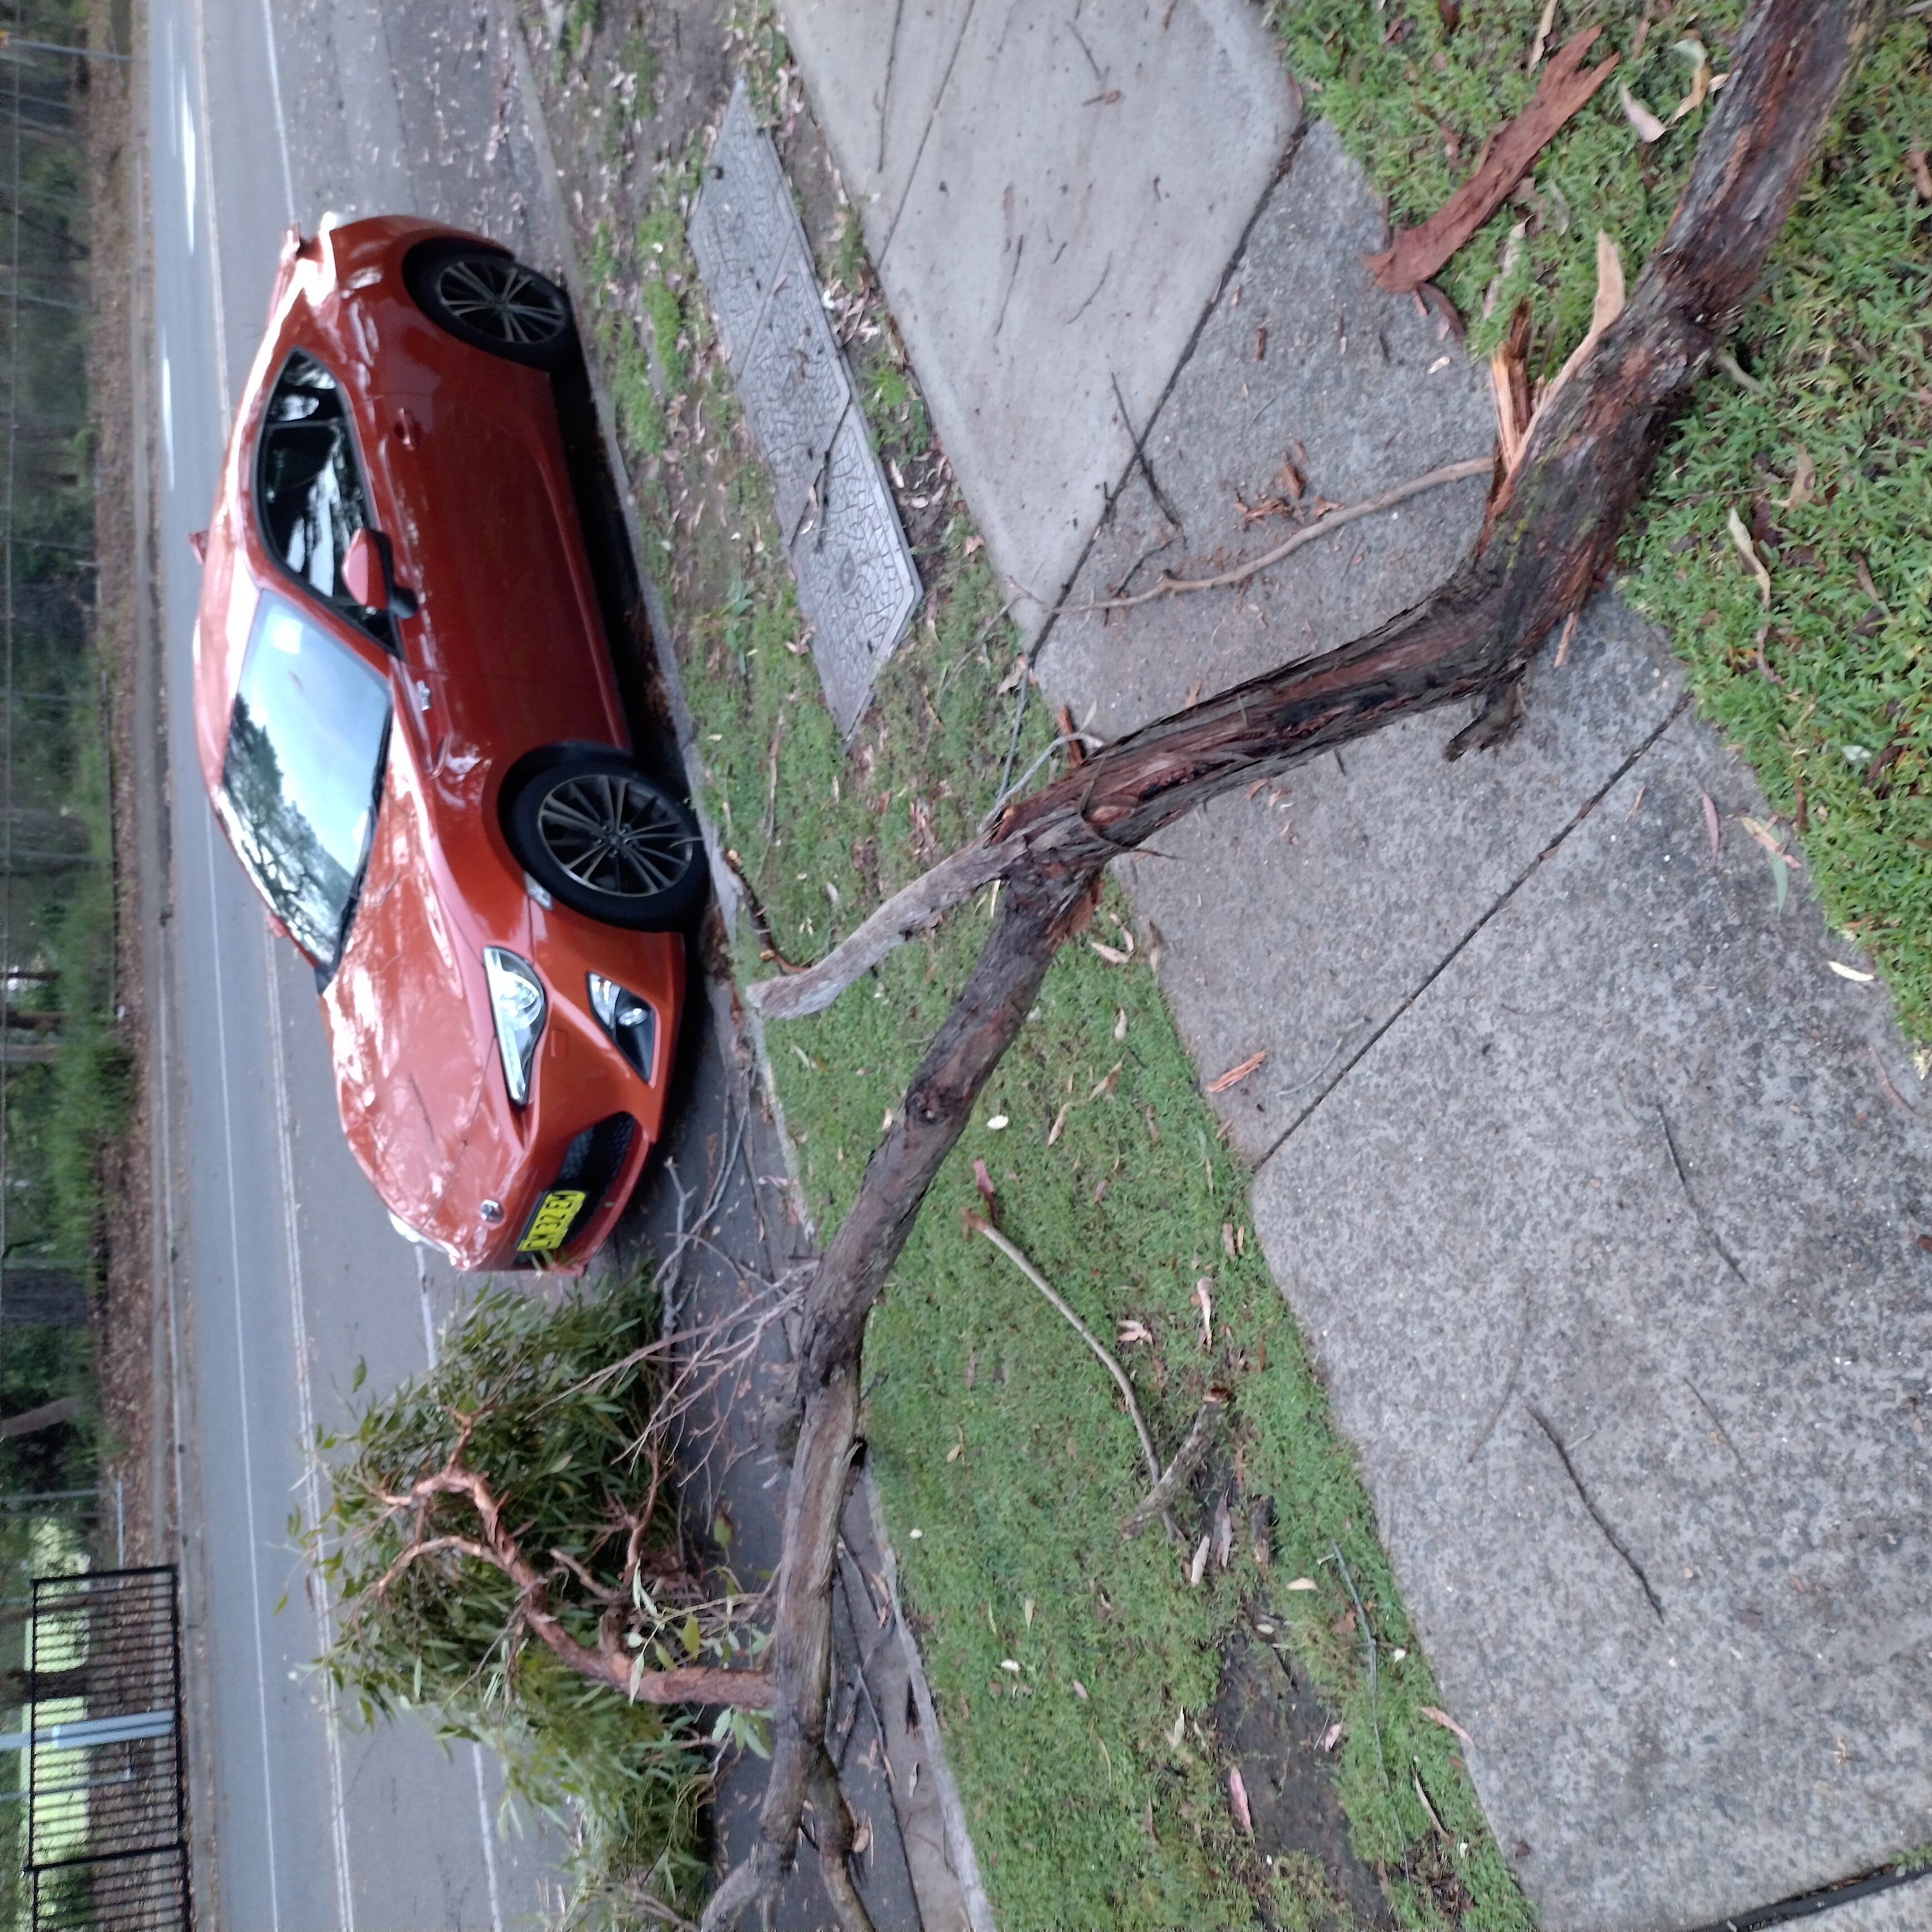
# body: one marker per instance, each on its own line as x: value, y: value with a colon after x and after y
x: 1369, y: 1641
x: 1201, y: 1438
x: 1453, y: 472
x: 1076, y: 740
x: 754, y: 907
x: 1416, y: 1772
x: 980, y: 1226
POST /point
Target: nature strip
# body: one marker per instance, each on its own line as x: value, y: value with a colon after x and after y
x: 1553, y: 536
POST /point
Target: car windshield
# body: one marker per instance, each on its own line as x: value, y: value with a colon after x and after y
x: 298, y: 785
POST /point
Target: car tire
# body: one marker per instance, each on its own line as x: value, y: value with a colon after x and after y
x: 601, y: 839
x: 489, y: 300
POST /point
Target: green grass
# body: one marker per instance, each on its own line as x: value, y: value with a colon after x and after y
x: 1837, y: 720
x: 1086, y: 1810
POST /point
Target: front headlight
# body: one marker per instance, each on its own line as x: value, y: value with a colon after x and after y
x: 517, y: 1000
x: 629, y: 1021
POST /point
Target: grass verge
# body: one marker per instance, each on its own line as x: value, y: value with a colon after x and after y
x: 1824, y: 683
x: 1075, y: 1677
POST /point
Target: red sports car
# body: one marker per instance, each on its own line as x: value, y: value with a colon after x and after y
x: 411, y: 729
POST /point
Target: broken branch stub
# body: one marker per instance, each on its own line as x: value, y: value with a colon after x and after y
x: 1553, y: 533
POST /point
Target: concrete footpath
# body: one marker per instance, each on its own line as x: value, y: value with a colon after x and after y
x: 1598, y: 1193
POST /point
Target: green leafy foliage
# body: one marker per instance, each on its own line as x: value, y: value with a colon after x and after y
x: 549, y: 1404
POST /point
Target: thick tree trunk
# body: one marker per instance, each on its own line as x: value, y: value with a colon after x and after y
x: 1552, y: 536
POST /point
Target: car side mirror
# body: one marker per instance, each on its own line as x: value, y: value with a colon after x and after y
x: 369, y: 575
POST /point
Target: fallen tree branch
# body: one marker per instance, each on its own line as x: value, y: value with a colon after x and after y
x: 1552, y: 534
x: 980, y: 1226
x: 1201, y: 1438
x: 692, y: 1684
x: 919, y: 905
x: 1168, y: 586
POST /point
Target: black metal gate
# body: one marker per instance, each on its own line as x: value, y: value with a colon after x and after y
x: 106, y: 1839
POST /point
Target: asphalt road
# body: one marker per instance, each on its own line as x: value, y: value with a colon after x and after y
x: 286, y: 1271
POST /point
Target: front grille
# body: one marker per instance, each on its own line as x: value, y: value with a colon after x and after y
x: 591, y: 1163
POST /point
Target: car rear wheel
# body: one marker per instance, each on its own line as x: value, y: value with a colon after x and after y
x: 601, y: 839
x: 492, y: 302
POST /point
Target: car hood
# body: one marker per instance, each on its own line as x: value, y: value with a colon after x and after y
x: 408, y: 1014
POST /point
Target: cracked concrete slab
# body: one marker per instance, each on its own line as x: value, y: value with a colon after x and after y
x: 1071, y: 202
x: 1304, y: 362
x: 1593, y: 1186
x: 1633, y: 1175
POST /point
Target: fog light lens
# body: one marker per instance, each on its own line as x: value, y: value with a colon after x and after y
x: 629, y: 1021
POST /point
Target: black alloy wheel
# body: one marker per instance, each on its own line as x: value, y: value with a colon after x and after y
x: 601, y: 839
x: 492, y: 302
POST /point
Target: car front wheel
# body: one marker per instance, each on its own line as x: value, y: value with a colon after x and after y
x: 601, y: 839
x: 492, y: 302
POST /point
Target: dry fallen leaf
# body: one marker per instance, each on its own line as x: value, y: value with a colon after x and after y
x: 1448, y: 1723
x: 1693, y: 50
x: 1223, y: 1533
x: 1648, y: 126
x: 1027, y: 1612
x: 1852, y: 973
x: 1054, y: 1132
x: 1237, y: 1791
x: 1805, y: 473
x: 958, y: 1448
x: 974, y: 542
x: 1112, y: 954
x: 1109, y: 1080
x: 1332, y: 1736
x: 983, y: 1181
x: 1205, y: 1301
x: 1179, y: 1730
x: 1235, y: 1076
x: 1741, y: 537
x: 1015, y: 678
x: 1079, y: 1689
x: 1921, y: 175
x: 1198, y: 1567
x: 1712, y: 824
x: 862, y: 1839
x: 1131, y: 1332
x: 1304, y: 1583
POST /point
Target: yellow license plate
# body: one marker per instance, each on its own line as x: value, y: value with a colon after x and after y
x: 551, y: 1221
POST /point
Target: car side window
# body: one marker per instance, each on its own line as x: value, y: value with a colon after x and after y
x: 309, y: 483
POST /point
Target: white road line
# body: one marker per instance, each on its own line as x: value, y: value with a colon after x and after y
x: 241, y: 1377
x: 325, y: 1609
x: 489, y: 1841
x: 275, y: 95
x: 214, y: 230
x: 167, y: 413
x: 184, y: 146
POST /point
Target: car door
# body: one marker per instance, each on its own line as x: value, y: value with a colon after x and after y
x: 487, y: 523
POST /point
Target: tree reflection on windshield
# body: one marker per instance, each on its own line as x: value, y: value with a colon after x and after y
x: 298, y: 783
